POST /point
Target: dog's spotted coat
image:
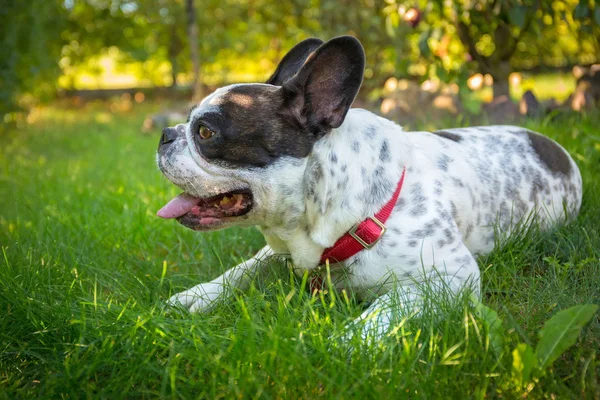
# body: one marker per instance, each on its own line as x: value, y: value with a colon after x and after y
x: 317, y: 171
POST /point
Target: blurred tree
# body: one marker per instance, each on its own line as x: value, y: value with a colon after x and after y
x: 498, y: 36
x: 192, y: 27
x: 142, y: 30
x: 30, y: 44
x: 443, y: 38
x: 156, y: 30
x: 365, y: 20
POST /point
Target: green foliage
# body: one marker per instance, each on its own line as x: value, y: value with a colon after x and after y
x: 558, y: 334
x: 561, y: 332
x: 246, y: 39
x: 523, y: 365
x: 483, y: 35
x: 493, y: 324
x: 30, y: 43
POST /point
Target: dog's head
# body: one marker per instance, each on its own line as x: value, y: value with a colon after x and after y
x: 243, y: 143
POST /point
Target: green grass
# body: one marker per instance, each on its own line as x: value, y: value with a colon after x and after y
x: 85, y: 269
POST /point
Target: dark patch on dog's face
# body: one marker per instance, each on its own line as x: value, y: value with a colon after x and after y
x: 447, y: 135
x: 249, y: 128
x: 550, y: 153
x: 255, y: 125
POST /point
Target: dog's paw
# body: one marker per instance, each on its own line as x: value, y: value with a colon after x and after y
x: 200, y: 298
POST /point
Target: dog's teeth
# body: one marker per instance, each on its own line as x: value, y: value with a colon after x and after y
x: 225, y: 200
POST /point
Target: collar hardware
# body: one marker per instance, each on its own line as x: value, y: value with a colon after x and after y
x: 365, y: 244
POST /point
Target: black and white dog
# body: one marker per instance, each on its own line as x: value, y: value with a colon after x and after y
x: 323, y: 181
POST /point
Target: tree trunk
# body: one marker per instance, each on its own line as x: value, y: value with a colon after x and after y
x: 174, y: 72
x: 501, y: 73
x: 174, y: 48
x: 194, y: 51
x: 501, y: 88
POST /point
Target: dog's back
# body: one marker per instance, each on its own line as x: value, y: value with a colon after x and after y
x: 498, y: 177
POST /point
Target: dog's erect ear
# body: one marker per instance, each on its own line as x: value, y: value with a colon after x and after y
x: 321, y: 93
x: 293, y: 61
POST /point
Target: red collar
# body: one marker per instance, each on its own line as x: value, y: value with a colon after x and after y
x: 363, y: 235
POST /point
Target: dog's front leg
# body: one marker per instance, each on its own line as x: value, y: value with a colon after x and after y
x: 404, y: 301
x: 202, y: 297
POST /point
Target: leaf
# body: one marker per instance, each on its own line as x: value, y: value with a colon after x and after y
x: 442, y: 73
x: 561, y: 331
x: 493, y: 324
x: 581, y: 11
x: 423, y: 45
x: 597, y: 13
x: 524, y: 362
x: 391, y: 23
x: 516, y: 16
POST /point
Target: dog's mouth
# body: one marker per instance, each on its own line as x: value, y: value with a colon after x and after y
x: 207, y: 213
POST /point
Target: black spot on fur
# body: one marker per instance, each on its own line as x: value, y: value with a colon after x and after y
x: 417, y: 200
x: 384, y: 154
x: 356, y: 146
x: 314, y: 172
x: 454, y: 210
x: 400, y: 204
x: 379, y: 186
x: 438, y: 192
x: 457, y: 182
x: 550, y: 153
x: 442, y: 162
x: 462, y: 261
x: 427, y: 230
x: 469, y: 231
x: 448, y: 234
x: 370, y: 132
x: 447, y: 135
x: 418, y: 211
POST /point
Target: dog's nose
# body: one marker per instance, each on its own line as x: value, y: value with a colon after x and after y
x: 168, y: 135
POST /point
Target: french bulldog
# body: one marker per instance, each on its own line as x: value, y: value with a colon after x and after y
x: 383, y: 209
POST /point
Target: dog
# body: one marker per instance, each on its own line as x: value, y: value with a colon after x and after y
x: 349, y: 196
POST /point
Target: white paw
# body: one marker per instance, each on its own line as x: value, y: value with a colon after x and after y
x: 200, y: 298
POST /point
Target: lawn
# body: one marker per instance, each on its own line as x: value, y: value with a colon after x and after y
x: 86, y: 267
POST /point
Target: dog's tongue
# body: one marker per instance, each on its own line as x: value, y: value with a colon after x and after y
x: 179, y: 206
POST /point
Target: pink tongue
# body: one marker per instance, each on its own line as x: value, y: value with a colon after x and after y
x: 179, y: 206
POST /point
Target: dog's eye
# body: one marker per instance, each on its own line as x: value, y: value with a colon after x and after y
x: 205, y: 133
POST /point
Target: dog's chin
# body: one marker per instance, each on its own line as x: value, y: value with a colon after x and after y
x: 210, y: 213
x: 202, y: 224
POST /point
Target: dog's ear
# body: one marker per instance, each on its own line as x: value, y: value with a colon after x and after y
x: 321, y: 93
x: 293, y: 61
